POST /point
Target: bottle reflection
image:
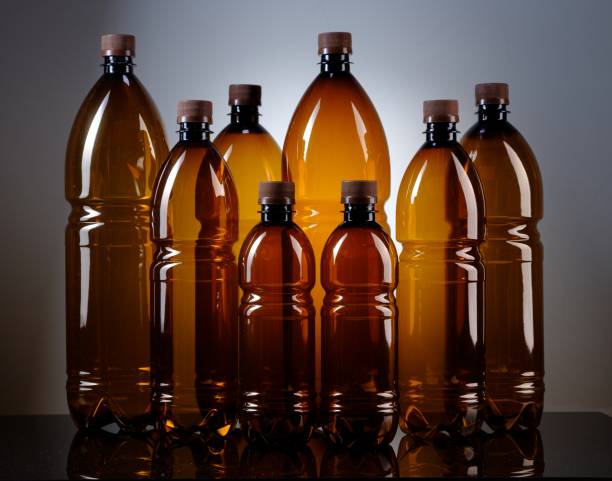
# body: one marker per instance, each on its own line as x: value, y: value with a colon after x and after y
x: 102, y: 455
x: 359, y: 462
x: 261, y: 461
x: 197, y: 458
x: 439, y: 458
x: 516, y: 454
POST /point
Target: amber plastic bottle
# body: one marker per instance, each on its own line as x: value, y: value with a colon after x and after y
x: 250, y: 151
x: 114, y: 152
x: 512, y: 252
x: 335, y: 134
x: 440, y: 224
x: 359, y: 399
x: 194, y: 283
x: 277, y: 273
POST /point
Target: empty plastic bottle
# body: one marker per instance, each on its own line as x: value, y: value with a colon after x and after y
x: 359, y: 399
x: 335, y: 134
x: 194, y: 283
x: 512, y: 252
x: 277, y: 273
x: 250, y: 151
x: 441, y: 223
x: 115, y: 149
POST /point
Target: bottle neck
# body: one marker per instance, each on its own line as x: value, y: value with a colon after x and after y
x: 118, y: 64
x: 276, y: 213
x: 335, y: 62
x: 244, y: 115
x: 194, y: 131
x: 441, y: 132
x: 359, y: 213
x: 492, y: 112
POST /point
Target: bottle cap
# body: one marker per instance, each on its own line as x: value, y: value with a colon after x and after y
x: 492, y: 93
x: 335, y: 42
x: 444, y: 110
x: 277, y: 192
x: 194, y: 111
x: 244, y: 94
x: 358, y: 192
x: 118, y: 44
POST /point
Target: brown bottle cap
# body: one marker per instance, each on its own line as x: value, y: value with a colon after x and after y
x: 244, y: 94
x: 335, y: 42
x: 194, y: 111
x: 277, y: 192
x: 118, y: 44
x: 492, y: 93
x: 443, y: 110
x: 358, y: 192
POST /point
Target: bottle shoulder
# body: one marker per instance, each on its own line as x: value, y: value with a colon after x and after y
x: 508, y: 170
x: 239, y: 145
x: 117, y: 143
x: 194, y: 195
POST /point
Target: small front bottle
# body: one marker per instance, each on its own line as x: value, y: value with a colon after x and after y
x: 512, y: 253
x: 250, y: 151
x: 359, y: 399
x: 194, y: 283
x: 115, y: 150
x: 440, y: 224
x: 277, y: 274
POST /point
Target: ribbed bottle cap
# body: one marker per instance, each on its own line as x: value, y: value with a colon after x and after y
x: 335, y: 42
x: 244, y: 94
x: 443, y: 110
x: 194, y: 111
x: 277, y: 192
x: 358, y: 192
x: 492, y: 93
x: 118, y: 44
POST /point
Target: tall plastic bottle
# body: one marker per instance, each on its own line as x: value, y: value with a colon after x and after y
x: 115, y: 149
x: 514, y: 331
x: 277, y: 273
x: 335, y: 134
x: 359, y: 398
x: 441, y: 224
x: 250, y: 151
x: 194, y: 283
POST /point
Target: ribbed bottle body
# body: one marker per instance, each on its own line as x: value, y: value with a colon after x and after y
x: 194, y: 293
x: 359, y: 398
x: 335, y: 134
x: 277, y: 334
x: 513, y: 256
x: 114, y: 152
x: 440, y: 223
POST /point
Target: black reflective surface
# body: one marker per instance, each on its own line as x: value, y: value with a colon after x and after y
x: 49, y: 447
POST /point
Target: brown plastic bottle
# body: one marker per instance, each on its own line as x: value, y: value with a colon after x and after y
x: 277, y: 273
x: 335, y: 134
x: 194, y: 344
x: 250, y: 151
x: 512, y: 252
x: 441, y: 223
x: 114, y: 152
x: 359, y: 399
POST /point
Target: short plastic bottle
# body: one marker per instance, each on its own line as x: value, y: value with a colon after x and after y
x: 277, y: 274
x: 359, y: 398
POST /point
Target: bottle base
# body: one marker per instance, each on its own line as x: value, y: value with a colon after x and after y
x: 360, y: 429
x: 272, y: 428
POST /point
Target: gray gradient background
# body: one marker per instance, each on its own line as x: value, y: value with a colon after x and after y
x: 556, y: 55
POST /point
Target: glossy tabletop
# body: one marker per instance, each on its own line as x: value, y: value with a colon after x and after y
x: 49, y: 447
